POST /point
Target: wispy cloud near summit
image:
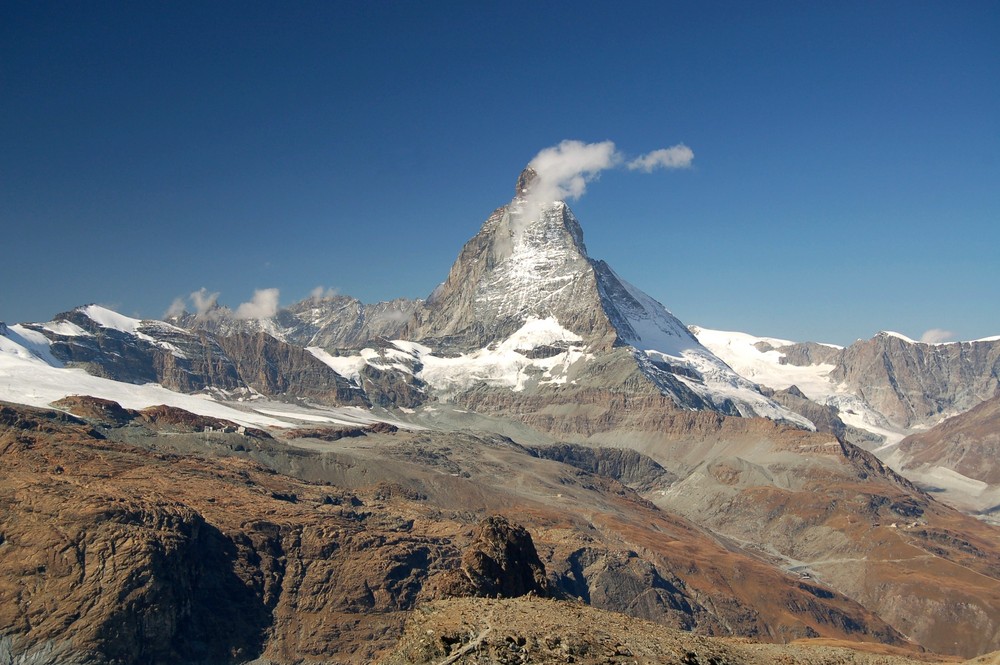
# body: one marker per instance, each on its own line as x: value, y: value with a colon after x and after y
x: 677, y: 157
x: 564, y: 170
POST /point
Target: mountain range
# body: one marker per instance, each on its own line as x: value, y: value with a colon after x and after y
x: 335, y: 467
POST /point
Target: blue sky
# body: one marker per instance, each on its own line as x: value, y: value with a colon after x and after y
x: 846, y: 176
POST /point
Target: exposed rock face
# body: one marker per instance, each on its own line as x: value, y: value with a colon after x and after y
x: 389, y: 388
x: 162, y: 353
x: 919, y: 383
x: 328, y: 322
x: 502, y: 275
x: 807, y: 353
x: 272, y: 367
x: 910, y: 383
x: 968, y: 443
x: 640, y: 472
x: 825, y: 417
x: 186, y: 361
x: 501, y: 562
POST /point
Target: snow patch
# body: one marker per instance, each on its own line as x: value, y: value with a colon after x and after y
x: 112, y: 320
x: 27, y: 345
x: 65, y: 329
x: 538, y: 332
x: 740, y: 351
x: 348, y: 367
x: 107, y: 318
x: 33, y: 382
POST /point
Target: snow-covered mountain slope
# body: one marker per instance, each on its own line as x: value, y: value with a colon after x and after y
x: 138, y: 363
x: 766, y: 361
x: 888, y: 385
x: 540, y: 353
x: 30, y: 374
x: 664, y: 346
x: 760, y: 360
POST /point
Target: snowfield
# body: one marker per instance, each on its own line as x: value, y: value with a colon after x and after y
x: 29, y: 374
x: 743, y: 353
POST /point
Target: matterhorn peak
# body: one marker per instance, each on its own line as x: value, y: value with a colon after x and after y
x: 524, y: 182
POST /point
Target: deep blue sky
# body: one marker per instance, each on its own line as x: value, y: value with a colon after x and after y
x: 846, y: 176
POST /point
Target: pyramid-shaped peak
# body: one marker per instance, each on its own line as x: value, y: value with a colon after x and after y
x: 525, y: 181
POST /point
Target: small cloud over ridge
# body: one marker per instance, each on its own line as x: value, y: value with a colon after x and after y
x: 263, y: 305
x: 936, y: 336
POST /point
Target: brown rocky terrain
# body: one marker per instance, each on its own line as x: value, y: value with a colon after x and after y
x: 118, y: 554
x: 968, y: 443
x: 151, y: 543
x: 535, y: 630
x: 820, y: 507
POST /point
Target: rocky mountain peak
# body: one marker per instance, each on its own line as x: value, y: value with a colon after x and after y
x: 527, y: 261
x: 524, y: 182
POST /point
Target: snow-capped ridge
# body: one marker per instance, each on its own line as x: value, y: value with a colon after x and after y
x: 890, y: 333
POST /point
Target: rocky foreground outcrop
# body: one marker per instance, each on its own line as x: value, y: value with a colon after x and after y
x: 501, y: 562
x: 534, y: 630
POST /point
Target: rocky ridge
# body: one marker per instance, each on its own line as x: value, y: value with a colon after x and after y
x: 327, y: 321
x: 109, y: 345
x: 910, y: 383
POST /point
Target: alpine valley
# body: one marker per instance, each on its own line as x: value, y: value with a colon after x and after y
x: 538, y: 463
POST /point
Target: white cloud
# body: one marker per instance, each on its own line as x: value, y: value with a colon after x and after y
x: 676, y: 157
x: 264, y: 305
x: 176, y: 308
x: 563, y: 171
x: 322, y: 293
x: 937, y: 335
x: 203, y: 301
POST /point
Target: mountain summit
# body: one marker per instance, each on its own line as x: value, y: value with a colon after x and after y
x: 528, y: 260
x: 529, y: 263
